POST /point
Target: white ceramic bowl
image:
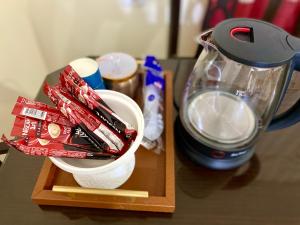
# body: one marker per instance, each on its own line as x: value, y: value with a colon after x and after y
x: 108, y: 174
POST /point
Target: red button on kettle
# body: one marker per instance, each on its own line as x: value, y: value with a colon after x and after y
x: 242, y: 34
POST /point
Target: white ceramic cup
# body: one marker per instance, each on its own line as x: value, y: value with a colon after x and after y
x: 89, y: 71
x: 108, y: 174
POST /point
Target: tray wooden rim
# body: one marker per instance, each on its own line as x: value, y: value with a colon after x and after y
x: 43, y: 196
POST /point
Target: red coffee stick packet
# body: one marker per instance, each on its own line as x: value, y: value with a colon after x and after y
x: 34, y: 128
x: 26, y: 126
x: 98, y: 126
x: 106, y: 114
x: 74, y: 76
x: 81, y: 116
x: 39, y: 110
x: 42, y: 147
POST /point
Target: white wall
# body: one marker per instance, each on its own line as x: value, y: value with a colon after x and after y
x: 192, y: 13
x: 22, y: 68
x: 40, y: 36
x: 75, y: 28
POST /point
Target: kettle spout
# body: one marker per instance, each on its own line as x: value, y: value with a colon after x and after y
x: 205, y: 40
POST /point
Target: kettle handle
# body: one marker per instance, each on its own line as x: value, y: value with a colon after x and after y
x: 292, y: 115
x: 289, y: 118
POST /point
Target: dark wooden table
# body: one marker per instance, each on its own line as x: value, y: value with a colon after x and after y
x: 264, y: 191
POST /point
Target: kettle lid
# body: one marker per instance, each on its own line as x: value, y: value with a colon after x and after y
x: 253, y: 42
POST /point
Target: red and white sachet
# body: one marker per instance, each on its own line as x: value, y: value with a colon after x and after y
x: 34, y: 128
x: 72, y: 82
x: 74, y: 76
x: 80, y: 116
x: 38, y: 110
x: 42, y: 147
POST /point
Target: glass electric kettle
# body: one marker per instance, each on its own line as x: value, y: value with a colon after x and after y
x: 236, y: 87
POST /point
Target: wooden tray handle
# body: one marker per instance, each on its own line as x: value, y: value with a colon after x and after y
x: 94, y: 191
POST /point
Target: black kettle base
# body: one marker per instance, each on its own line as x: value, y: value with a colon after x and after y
x: 202, y: 155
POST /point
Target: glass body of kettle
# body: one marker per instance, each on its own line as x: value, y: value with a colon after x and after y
x: 227, y: 104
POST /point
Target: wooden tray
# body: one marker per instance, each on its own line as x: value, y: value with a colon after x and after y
x: 153, y: 173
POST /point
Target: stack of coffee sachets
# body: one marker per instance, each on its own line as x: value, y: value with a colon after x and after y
x: 81, y: 126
